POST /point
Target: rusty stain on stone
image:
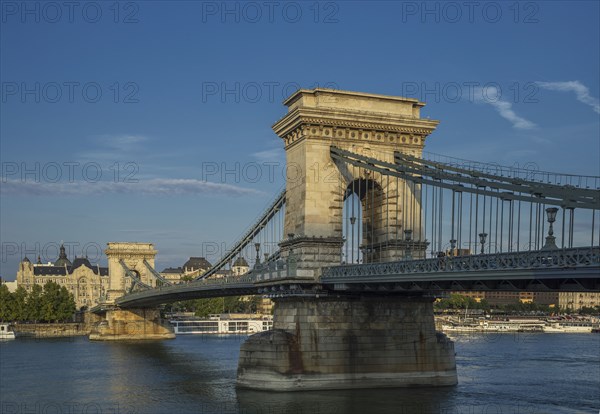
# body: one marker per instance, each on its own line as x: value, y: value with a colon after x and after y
x: 295, y: 352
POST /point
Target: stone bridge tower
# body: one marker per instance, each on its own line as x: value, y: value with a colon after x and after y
x: 347, y: 340
x: 131, y: 323
x: 367, y: 124
x: 133, y: 255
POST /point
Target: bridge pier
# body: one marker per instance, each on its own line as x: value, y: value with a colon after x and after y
x: 348, y: 342
x: 131, y: 325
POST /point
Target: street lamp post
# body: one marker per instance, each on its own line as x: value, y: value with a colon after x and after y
x: 482, y: 237
x: 407, y: 249
x: 352, y: 221
x: 257, y: 247
x: 550, y: 239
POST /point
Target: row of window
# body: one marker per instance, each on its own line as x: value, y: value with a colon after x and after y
x: 62, y: 282
x: 198, y: 329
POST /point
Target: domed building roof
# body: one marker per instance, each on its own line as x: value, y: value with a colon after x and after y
x: 81, y: 261
x: 173, y: 270
x: 195, y: 263
x: 240, y: 262
x: 62, y: 258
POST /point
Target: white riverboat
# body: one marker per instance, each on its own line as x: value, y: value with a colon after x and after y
x: 520, y: 325
x: 222, y: 325
x: 6, y: 332
x: 569, y: 327
x: 495, y: 326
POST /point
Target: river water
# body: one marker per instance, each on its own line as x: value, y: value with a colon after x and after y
x: 498, y: 373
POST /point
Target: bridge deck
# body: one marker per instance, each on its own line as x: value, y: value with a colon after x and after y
x: 231, y: 286
x: 556, y: 270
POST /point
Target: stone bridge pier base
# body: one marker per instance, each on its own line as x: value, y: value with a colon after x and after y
x: 348, y: 342
x: 131, y: 325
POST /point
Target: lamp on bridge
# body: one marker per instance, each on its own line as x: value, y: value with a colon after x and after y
x: 550, y: 239
x: 407, y: 239
x: 452, y: 247
x: 482, y: 237
x: 257, y: 247
x: 352, y: 222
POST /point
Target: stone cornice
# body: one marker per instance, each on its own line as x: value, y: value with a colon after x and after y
x: 409, y: 138
x: 352, y: 119
x: 339, y: 92
x: 121, y: 253
x: 349, y: 126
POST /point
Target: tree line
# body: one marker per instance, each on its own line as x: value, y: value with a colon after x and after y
x: 204, y: 307
x: 52, y: 303
x: 456, y: 301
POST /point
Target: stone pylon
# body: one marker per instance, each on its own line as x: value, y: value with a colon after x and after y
x: 367, y: 124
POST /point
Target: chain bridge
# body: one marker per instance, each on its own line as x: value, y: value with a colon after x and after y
x: 369, y: 232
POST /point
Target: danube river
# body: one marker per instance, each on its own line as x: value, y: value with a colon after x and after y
x: 498, y: 373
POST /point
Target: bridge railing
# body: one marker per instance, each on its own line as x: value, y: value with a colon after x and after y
x: 529, y: 260
x: 217, y: 283
x: 221, y: 281
x: 276, y: 269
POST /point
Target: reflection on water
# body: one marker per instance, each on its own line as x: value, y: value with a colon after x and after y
x: 407, y: 400
x: 498, y: 373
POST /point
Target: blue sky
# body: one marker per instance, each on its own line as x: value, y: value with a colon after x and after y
x: 162, y: 97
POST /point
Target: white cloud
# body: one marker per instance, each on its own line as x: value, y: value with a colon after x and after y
x: 152, y: 187
x: 270, y: 155
x: 491, y: 96
x: 112, y: 148
x: 122, y: 142
x: 581, y: 92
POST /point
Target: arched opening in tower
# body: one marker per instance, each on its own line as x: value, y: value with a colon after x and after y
x: 363, y: 223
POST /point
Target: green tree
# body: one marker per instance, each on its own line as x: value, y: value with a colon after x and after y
x: 57, y: 303
x: 19, y: 304
x: 66, y: 306
x: 50, y: 302
x: 34, y: 304
x: 588, y: 310
x: 247, y: 304
x: 230, y: 304
x: 484, y: 304
x: 205, y: 307
x: 6, y: 298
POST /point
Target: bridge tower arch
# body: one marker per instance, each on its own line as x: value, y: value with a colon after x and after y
x: 137, y: 259
x: 132, y: 255
x: 368, y: 124
x: 364, y: 203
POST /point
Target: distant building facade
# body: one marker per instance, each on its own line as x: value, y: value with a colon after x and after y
x: 193, y: 268
x: 578, y: 300
x: 172, y: 274
x: 566, y: 300
x: 240, y: 267
x: 87, y: 282
x: 197, y: 266
x: 12, y: 286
